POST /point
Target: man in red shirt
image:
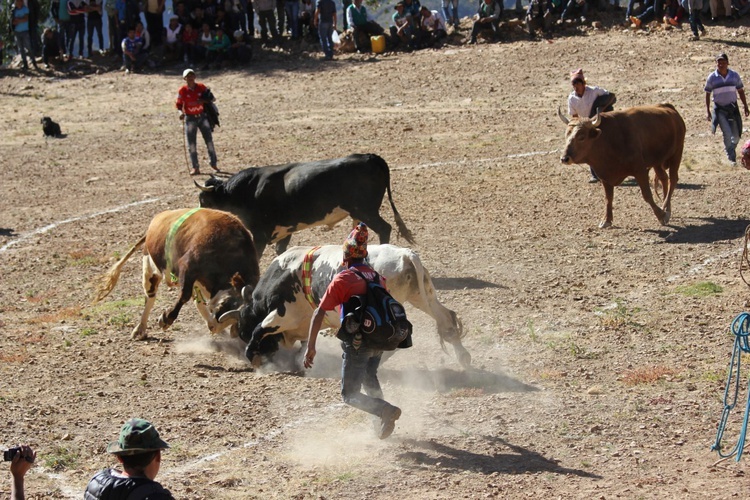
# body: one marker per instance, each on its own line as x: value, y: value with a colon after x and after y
x: 190, y: 102
x: 360, y: 365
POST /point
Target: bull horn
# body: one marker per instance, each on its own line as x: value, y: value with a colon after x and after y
x: 231, y: 317
x: 247, y: 294
x: 559, y: 113
x: 597, y: 119
x: 205, y: 189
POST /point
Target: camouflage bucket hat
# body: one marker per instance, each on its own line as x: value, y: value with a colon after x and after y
x: 137, y: 436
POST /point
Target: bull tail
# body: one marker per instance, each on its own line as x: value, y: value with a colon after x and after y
x: 109, y: 280
x: 403, y: 231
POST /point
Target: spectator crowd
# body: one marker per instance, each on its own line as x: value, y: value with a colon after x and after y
x: 216, y: 33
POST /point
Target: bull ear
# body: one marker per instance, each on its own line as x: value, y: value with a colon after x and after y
x: 559, y: 113
x: 203, y: 187
x: 247, y: 294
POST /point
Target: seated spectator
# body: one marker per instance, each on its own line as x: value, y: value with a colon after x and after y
x: 402, y: 30
x: 198, y: 19
x: 644, y: 17
x: 538, y: 16
x: 672, y: 12
x: 412, y: 8
x: 138, y: 450
x: 133, y: 57
x: 173, y: 40
x: 363, y: 26
x: 145, y: 37
x: 221, y: 20
x: 205, y: 37
x: 573, y: 9
x: 305, y: 19
x: 241, y: 50
x: 487, y: 18
x: 19, y: 466
x: 189, y: 39
x: 740, y: 8
x: 183, y: 16
x: 51, y: 51
x: 217, y: 51
x: 433, y: 30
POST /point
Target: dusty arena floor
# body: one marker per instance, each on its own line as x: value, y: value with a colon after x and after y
x: 599, y: 356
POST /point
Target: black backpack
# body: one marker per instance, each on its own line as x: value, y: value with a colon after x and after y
x: 381, y: 318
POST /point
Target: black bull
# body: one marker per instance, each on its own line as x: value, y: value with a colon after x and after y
x: 275, y: 201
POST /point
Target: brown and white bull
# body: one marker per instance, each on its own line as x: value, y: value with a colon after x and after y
x: 629, y: 142
x: 282, y: 304
x: 207, y: 253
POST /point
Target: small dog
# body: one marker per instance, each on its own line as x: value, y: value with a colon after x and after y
x: 50, y: 128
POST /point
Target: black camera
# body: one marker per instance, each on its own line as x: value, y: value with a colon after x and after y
x: 9, y: 454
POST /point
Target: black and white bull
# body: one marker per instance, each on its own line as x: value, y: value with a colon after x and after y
x: 207, y: 253
x: 629, y: 142
x: 282, y: 304
x: 275, y: 201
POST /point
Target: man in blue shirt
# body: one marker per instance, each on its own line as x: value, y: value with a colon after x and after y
x: 725, y: 85
x: 21, y: 30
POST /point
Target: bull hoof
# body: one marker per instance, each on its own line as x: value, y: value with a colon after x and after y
x: 465, y: 360
x: 164, y: 322
x: 605, y: 224
x: 256, y: 361
x: 665, y: 219
x: 139, y: 333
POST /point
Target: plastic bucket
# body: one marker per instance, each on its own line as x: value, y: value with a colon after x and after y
x: 378, y: 44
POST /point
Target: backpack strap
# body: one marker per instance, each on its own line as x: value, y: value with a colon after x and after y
x: 376, y: 280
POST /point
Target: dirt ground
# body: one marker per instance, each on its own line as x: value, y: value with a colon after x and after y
x: 598, y: 367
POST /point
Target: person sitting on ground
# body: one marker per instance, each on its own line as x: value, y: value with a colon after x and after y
x: 487, y: 18
x: 644, y: 17
x: 412, y: 8
x: 538, y: 16
x: 51, y: 51
x: 305, y: 19
x: 205, y: 37
x: 586, y: 101
x: 363, y: 26
x: 740, y: 8
x: 240, y: 52
x: 573, y: 9
x: 138, y: 449
x: 20, y: 464
x: 189, y: 40
x: 433, y: 30
x: 217, y: 52
x: 402, y: 30
x: 133, y: 56
x: 144, y: 35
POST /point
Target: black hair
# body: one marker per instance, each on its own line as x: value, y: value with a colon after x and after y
x: 138, y: 461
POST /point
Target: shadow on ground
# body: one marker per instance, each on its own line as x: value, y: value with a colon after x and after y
x: 517, y: 460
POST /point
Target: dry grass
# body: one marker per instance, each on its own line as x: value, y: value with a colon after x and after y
x: 55, y: 317
x: 646, y: 375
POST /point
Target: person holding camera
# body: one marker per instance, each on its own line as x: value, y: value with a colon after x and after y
x: 21, y: 459
x: 138, y: 450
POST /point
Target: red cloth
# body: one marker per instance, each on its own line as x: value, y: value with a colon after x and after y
x: 345, y: 285
x: 188, y: 100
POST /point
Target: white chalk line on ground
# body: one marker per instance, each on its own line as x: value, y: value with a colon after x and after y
x: 50, y: 227
x: 71, y: 492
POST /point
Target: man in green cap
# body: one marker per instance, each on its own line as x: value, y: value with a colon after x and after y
x: 139, y: 452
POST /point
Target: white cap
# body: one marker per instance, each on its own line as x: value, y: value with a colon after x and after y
x: 187, y: 72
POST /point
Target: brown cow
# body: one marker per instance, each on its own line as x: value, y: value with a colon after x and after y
x: 628, y: 142
x: 206, y: 252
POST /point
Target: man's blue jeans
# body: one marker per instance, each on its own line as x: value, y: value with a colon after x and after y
x: 360, y: 367
x: 731, y: 133
x: 192, y: 124
x: 291, y: 8
x: 325, y: 31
